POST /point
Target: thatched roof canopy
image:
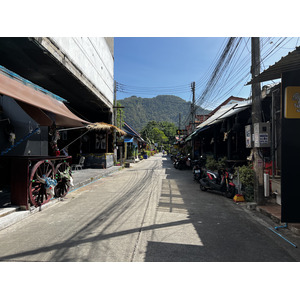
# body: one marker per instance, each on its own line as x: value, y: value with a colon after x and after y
x: 105, y: 127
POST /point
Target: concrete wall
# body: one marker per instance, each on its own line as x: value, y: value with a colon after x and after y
x: 94, y: 57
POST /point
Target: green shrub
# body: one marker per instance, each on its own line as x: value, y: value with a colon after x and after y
x: 211, y: 163
x: 246, y: 174
x: 249, y: 193
x: 222, y: 162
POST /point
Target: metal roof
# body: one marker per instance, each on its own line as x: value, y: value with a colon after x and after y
x: 289, y: 63
x: 224, y: 112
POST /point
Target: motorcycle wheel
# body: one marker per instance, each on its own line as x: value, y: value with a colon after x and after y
x: 230, y: 193
x: 202, y: 187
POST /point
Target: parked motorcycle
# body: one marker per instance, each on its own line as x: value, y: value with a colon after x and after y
x: 175, y: 159
x: 198, y: 170
x: 221, y: 181
x: 183, y: 162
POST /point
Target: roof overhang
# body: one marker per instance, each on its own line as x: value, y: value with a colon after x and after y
x: 128, y: 140
x: 31, y: 59
x: 225, y: 112
x: 289, y: 63
x: 98, y: 126
x: 40, y: 106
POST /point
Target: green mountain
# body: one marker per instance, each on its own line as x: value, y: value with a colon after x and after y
x: 139, y: 111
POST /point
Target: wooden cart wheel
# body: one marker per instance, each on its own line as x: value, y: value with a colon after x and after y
x: 62, y: 187
x: 37, y: 189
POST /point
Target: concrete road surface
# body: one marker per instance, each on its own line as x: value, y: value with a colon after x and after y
x: 149, y: 212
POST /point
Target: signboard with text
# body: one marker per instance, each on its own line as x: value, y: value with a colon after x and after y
x: 292, y: 102
x: 290, y: 147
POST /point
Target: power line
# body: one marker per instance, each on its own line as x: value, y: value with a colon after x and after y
x: 225, y: 58
x: 228, y: 70
x: 237, y: 70
x: 148, y: 90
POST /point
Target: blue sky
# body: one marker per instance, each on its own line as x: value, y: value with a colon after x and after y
x: 148, y: 66
x: 163, y: 62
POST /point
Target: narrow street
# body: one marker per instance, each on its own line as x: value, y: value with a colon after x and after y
x: 150, y: 212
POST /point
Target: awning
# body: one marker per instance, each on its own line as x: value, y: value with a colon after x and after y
x: 203, y: 128
x: 106, y: 127
x: 289, y: 63
x: 189, y: 137
x: 129, y: 130
x: 43, y: 108
x: 128, y: 140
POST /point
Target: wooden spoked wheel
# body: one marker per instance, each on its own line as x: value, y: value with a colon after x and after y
x: 37, y: 189
x: 62, y: 187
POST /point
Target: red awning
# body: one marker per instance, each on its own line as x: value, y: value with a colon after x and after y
x: 41, y: 107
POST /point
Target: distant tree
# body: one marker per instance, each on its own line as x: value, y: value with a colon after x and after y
x: 158, y: 136
x: 147, y: 132
x: 159, y: 132
x: 169, y: 130
x: 140, y: 111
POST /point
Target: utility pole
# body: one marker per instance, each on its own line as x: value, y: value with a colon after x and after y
x: 193, y: 106
x: 115, y: 121
x: 256, y: 118
x: 193, y: 112
x: 179, y: 124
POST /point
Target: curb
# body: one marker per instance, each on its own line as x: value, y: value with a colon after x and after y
x: 16, y: 215
x: 12, y: 215
x: 91, y: 180
x: 268, y: 214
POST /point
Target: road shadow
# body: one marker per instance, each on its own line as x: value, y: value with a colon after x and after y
x: 191, y: 226
x: 224, y: 232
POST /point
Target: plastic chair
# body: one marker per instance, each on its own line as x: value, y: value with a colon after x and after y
x: 79, y: 165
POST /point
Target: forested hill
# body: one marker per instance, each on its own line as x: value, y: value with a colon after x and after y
x: 139, y: 111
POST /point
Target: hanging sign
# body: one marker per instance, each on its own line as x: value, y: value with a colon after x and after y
x: 290, y: 147
x: 292, y: 102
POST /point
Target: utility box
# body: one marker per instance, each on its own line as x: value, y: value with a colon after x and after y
x: 262, y: 135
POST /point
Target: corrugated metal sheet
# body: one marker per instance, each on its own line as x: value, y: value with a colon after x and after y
x: 225, y: 112
x: 289, y: 63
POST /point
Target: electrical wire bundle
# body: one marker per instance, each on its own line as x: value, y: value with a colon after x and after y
x: 229, y: 71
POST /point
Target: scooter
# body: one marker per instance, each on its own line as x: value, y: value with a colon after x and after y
x: 182, y: 162
x: 175, y: 159
x: 221, y: 181
x: 198, y: 170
